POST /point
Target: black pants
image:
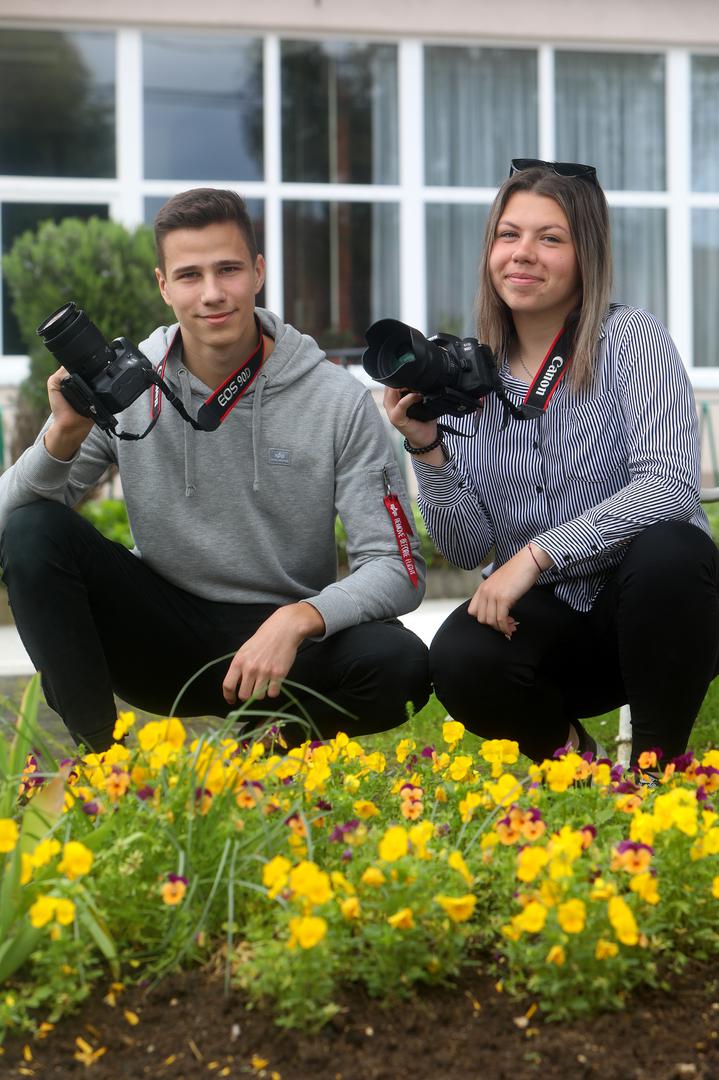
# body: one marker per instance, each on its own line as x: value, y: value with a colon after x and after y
x: 96, y: 621
x: 651, y: 640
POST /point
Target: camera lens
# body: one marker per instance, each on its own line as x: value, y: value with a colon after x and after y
x: 399, y: 356
x: 75, y: 341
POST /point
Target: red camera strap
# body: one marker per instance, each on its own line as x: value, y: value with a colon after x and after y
x: 221, y: 401
x: 548, y: 377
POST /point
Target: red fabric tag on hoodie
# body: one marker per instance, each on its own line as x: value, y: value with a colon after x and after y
x: 402, y: 532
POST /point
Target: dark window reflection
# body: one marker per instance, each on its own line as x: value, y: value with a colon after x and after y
x: 339, y: 112
x: 705, y: 266
x: 18, y: 218
x: 203, y: 107
x: 256, y: 208
x: 341, y: 268
x: 58, y: 103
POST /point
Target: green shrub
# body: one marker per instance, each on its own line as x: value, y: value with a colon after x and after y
x: 104, y: 267
x: 109, y: 516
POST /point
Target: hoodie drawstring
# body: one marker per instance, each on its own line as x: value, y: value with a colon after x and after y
x: 257, y: 427
x: 186, y: 394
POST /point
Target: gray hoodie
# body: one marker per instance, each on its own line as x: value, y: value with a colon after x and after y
x: 245, y: 514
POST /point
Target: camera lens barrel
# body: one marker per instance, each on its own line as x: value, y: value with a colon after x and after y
x: 75, y: 341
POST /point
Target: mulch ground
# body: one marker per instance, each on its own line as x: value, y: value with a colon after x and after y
x: 186, y: 1029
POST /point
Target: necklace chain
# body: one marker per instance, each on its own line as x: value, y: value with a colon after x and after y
x: 527, y: 372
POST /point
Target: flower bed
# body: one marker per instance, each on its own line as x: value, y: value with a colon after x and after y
x: 308, y: 870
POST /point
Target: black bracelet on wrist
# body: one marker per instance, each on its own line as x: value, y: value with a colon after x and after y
x: 424, y: 449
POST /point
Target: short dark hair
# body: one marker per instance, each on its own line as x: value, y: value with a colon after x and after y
x: 199, y: 207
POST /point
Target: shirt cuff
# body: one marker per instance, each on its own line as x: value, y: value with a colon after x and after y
x: 438, y: 485
x: 571, y: 542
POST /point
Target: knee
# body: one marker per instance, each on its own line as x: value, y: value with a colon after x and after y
x: 30, y: 533
x: 405, y: 670
x: 670, y: 554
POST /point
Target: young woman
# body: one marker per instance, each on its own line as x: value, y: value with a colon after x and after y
x: 605, y: 581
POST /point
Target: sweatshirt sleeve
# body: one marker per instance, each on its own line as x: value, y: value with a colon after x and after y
x: 38, y: 475
x: 378, y: 585
x: 659, y: 416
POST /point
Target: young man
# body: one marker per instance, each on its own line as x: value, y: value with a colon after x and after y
x: 233, y: 578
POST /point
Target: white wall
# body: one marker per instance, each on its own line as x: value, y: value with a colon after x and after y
x: 647, y: 22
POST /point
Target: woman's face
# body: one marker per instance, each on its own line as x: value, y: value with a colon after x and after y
x: 533, y: 264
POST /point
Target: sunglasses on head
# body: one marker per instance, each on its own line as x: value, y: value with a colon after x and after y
x: 561, y: 168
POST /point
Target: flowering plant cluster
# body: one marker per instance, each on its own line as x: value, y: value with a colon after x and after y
x: 312, y: 868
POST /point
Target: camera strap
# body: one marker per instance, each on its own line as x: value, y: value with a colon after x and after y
x: 402, y: 528
x: 548, y: 377
x: 221, y: 401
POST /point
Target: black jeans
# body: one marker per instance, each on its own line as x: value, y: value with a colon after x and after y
x: 96, y: 621
x: 651, y: 640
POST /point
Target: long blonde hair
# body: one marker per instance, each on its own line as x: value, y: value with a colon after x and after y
x: 585, y: 207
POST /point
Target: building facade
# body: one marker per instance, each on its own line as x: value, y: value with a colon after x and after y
x: 370, y: 139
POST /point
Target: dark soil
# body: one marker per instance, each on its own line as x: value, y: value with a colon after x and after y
x: 187, y: 1029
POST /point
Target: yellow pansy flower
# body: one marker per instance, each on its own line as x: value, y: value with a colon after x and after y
x: 572, y: 916
x: 458, y: 908
x: 9, y: 834
x: 306, y: 931
x: 394, y: 844
x: 76, y: 860
x: 402, y: 919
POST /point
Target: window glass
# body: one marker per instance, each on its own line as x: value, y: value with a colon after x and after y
x: 17, y: 218
x: 610, y: 113
x: 58, y: 103
x: 339, y: 112
x: 480, y: 112
x: 341, y: 269
x: 455, y: 238
x: 705, y: 123
x: 255, y: 207
x: 202, y: 107
x: 705, y: 265
x: 639, y: 247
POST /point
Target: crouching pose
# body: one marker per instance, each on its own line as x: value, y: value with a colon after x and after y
x: 605, y: 581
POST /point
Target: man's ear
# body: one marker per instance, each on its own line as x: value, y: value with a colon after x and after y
x: 259, y: 273
x: 162, y: 284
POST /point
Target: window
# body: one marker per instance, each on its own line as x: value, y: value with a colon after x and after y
x: 339, y: 112
x: 58, y: 103
x: 610, y: 113
x: 639, y: 249
x: 705, y: 123
x: 203, y: 107
x: 455, y: 238
x: 705, y: 265
x: 341, y: 268
x: 480, y: 112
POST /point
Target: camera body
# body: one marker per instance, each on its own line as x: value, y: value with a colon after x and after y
x: 453, y: 374
x: 104, y: 377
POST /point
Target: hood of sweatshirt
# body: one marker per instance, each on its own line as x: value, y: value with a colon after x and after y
x: 294, y: 355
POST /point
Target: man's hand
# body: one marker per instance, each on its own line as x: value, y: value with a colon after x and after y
x: 69, y: 430
x: 493, y: 600
x: 258, y: 668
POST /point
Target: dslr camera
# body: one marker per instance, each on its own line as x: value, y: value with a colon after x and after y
x: 453, y: 374
x: 105, y: 377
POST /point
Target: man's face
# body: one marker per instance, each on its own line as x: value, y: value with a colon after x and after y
x: 210, y: 282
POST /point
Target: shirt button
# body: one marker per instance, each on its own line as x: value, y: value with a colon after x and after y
x: 567, y: 558
x: 594, y: 547
x: 540, y: 489
x: 535, y: 446
x: 460, y: 483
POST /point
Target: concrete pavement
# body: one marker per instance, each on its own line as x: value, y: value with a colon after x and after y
x: 424, y: 622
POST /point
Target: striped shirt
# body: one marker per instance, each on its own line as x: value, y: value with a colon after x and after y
x: 584, y: 478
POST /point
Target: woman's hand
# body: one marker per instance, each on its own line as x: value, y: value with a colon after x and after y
x: 416, y: 432
x: 495, y: 597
